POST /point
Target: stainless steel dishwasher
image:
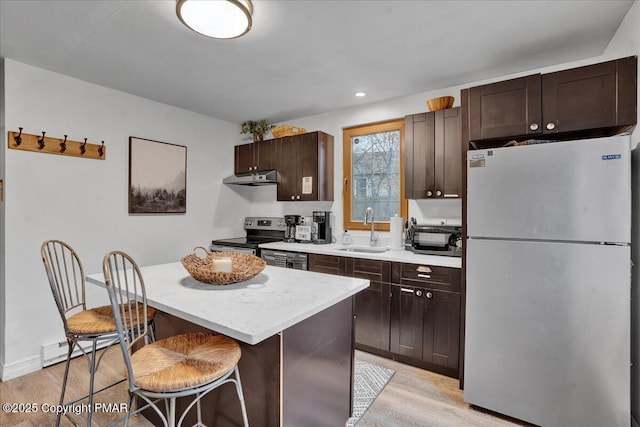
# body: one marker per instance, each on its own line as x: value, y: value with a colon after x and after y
x: 285, y: 259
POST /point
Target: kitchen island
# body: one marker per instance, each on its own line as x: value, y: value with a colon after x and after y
x: 295, y: 329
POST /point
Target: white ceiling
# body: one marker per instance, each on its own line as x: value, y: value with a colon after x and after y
x: 302, y: 57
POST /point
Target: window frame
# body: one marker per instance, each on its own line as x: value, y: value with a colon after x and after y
x: 367, y: 129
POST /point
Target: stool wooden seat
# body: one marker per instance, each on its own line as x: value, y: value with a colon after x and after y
x: 99, y: 320
x: 184, y: 361
x: 191, y: 364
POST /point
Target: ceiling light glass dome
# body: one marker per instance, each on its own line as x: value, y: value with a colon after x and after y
x: 221, y: 19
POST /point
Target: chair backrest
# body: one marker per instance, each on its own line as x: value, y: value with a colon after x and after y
x: 125, y: 287
x: 66, y: 277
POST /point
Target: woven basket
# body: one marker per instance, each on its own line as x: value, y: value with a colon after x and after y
x: 243, y: 267
x: 286, y: 130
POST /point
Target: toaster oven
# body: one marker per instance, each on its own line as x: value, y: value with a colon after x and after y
x: 436, y: 240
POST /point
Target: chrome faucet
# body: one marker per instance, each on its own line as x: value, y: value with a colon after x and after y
x: 373, y: 239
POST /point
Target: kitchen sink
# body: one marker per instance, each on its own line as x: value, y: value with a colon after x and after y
x: 365, y: 250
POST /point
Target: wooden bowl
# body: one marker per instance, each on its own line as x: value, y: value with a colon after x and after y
x: 441, y: 103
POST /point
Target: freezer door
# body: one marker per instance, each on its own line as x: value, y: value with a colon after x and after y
x: 548, y: 332
x: 572, y: 191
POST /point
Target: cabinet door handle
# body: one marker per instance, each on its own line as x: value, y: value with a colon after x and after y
x: 293, y: 197
x: 425, y: 276
x: 451, y: 195
x: 429, y: 295
x: 551, y: 126
x: 438, y: 193
x: 418, y: 293
x: 533, y: 126
x: 250, y: 168
x: 407, y: 290
x: 429, y: 193
x: 298, y: 197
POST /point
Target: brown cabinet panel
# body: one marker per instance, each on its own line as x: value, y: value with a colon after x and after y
x: 254, y: 157
x: 407, y: 324
x: 505, y: 108
x: 328, y: 264
x: 371, y: 269
x: 594, y: 100
x: 243, y: 159
x: 433, y: 150
x: 305, y: 157
x: 441, y: 339
x: 265, y: 154
x: 442, y: 278
x: 372, y: 316
x: 448, y: 136
x: 287, y: 164
x: 587, y: 97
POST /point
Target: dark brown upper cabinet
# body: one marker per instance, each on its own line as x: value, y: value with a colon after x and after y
x: 305, y: 167
x: 433, y: 155
x: 255, y: 157
x: 595, y: 100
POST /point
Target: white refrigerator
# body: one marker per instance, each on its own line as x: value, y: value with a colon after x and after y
x: 548, y: 282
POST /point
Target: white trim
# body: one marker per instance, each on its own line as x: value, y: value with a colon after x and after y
x: 21, y: 367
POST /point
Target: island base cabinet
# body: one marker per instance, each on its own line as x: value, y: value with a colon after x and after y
x: 302, y: 376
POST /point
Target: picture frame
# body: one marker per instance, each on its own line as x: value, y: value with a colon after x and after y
x: 157, y: 177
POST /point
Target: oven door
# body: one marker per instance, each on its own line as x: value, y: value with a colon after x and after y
x: 222, y: 248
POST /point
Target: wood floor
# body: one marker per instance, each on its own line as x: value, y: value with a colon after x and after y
x: 413, y: 397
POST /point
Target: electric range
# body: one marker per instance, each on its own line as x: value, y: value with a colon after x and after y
x: 258, y: 230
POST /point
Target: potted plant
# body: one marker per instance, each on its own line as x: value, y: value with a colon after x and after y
x: 257, y: 129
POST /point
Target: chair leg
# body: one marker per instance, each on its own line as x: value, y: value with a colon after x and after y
x: 199, y: 409
x: 241, y: 397
x: 171, y: 416
x: 128, y: 414
x: 92, y: 371
x: 71, y: 345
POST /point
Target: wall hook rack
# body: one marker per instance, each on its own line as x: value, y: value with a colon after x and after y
x: 49, y: 145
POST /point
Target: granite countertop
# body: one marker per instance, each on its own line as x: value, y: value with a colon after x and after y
x: 399, y: 255
x: 249, y: 311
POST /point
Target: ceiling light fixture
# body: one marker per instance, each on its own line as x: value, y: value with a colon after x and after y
x: 220, y: 19
x: 360, y: 94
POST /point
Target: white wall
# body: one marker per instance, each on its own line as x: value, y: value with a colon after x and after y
x: 84, y: 202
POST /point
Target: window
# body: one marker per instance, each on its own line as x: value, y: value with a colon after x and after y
x: 374, y: 173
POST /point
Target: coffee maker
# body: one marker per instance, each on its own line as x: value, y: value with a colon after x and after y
x: 291, y: 221
x: 322, y: 225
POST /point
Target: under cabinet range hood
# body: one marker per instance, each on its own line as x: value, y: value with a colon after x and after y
x: 258, y: 178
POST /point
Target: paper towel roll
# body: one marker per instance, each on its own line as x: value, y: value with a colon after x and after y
x: 395, y: 238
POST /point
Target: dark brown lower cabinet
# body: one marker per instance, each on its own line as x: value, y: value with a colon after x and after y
x: 409, y: 312
x: 373, y: 303
x: 425, y: 325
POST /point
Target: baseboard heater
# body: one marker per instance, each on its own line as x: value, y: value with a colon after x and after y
x: 57, y: 352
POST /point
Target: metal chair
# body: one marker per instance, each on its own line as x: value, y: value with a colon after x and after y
x: 81, y: 325
x: 191, y: 364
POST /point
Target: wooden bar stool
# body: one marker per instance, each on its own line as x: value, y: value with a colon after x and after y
x: 96, y: 326
x: 190, y: 364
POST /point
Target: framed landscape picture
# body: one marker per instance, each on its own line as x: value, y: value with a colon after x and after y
x: 157, y: 177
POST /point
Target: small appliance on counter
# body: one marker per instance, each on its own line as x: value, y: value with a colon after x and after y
x: 435, y: 240
x: 322, y: 225
x: 303, y: 233
x: 291, y: 222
